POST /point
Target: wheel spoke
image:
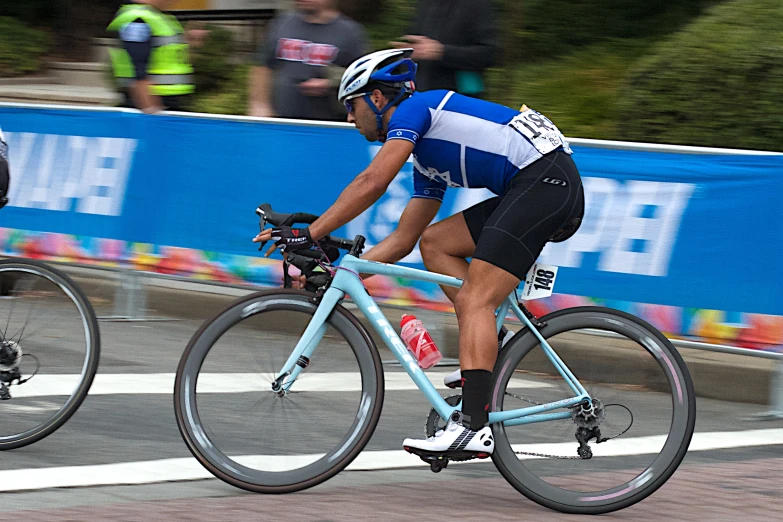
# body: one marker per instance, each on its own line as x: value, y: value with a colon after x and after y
x: 635, y: 427
x: 263, y: 442
x: 66, y: 360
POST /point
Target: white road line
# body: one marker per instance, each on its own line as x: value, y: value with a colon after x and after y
x: 163, y: 383
x: 180, y: 469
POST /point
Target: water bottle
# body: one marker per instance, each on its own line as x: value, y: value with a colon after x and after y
x: 419, y: 342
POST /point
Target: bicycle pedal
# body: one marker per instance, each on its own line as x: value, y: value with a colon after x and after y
x: 443, y: 458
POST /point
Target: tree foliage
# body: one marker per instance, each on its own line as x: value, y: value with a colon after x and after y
x: 718, y: 82
x: 21, y: 47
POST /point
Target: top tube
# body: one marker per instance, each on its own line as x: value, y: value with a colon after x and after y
x: 362, y: 266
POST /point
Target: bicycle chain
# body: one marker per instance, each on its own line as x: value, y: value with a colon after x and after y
x: 530, y: 453
x: 454, y: 400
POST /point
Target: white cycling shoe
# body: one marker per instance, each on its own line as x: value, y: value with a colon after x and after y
x: 455, y: 441
x: 454, y: 379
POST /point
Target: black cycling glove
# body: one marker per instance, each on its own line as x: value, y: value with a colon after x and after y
x: 289, y: 239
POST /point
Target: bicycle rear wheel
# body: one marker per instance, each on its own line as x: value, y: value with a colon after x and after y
x: 250, y: 437
x: 49, y: 350
x: 640, y: 383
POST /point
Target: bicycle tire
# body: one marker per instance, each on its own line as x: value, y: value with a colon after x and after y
x: 93, y: 343
x: 231, y: 472
x: 664, y: 464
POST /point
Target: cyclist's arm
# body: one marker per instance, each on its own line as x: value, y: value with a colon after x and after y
x: 366, y: 189
x: 418, y: 214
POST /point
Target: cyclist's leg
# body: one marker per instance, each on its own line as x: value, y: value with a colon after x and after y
x: 484, y: 290
x: 528, y: 215
x: 511, y: 238
x: 444, y: 248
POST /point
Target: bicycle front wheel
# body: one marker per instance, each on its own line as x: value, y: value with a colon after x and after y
x: 49, y: 350
x: 253, y: 438
x: 642, y: 401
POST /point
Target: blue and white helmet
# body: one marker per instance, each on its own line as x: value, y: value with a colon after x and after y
x: 390, y: 66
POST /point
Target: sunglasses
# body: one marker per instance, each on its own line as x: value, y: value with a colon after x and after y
x: 349, y: 102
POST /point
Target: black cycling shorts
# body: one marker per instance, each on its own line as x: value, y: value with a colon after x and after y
x: 543, y: 202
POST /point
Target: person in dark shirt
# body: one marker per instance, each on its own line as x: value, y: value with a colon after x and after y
x: 302, y: 60
x: 453, y: 42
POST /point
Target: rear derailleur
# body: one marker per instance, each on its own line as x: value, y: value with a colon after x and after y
x: 583, y: 436
x: 6, y: 379
x: 10, y: 357
x: 588, y: 416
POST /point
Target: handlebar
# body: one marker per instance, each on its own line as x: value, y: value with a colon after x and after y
x: 279, y: 219
x: 308, y: 260
x: 267, y: 215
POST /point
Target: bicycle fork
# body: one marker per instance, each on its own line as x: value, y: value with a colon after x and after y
x: 300, y: 356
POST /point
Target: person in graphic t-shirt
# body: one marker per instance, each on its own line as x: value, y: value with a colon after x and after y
x: 301, y: 61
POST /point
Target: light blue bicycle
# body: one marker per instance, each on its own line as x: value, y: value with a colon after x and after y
x: 592, y: 409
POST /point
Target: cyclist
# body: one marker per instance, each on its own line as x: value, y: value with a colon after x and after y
x: 456, y: 141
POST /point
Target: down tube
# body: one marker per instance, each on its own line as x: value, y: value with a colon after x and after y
x: 395, y: 344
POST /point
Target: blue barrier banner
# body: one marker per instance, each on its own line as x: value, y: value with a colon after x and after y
x: 680, y: 229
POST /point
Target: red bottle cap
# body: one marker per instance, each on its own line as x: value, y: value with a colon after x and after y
x: 406, y: 318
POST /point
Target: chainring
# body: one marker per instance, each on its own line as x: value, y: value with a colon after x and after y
x: 435, y: 423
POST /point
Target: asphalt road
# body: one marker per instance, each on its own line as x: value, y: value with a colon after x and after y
x: 126, y: 432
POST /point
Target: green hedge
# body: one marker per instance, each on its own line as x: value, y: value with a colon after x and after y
x: 212, y: 60
x: 221, y: 84
x: 535, y: 30
x: 719, y: 82
x: 21, y: 47
x: 230, y: 97
x: 553, y: 27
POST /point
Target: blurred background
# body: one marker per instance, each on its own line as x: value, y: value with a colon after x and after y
x: 703, y: 72
x: 672, y: 108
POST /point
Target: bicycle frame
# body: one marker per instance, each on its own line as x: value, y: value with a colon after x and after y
x: 347, y: 281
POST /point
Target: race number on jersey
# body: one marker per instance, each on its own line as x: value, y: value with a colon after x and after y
x: 540, y: 131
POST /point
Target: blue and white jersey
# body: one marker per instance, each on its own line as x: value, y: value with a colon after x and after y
x: 466, y: 142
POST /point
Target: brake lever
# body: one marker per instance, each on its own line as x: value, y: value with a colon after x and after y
x: 261, y: 225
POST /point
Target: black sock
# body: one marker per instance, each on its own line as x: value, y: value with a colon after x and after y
x: 475, y: 397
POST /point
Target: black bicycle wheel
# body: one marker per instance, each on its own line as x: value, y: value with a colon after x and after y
x: 49, y: 350
x: 638, y: 382
x: 249, y: 436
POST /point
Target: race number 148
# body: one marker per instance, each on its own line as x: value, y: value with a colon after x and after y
x: 539, y: 282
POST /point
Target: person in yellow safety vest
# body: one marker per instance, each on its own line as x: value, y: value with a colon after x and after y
x: 153, y: 66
